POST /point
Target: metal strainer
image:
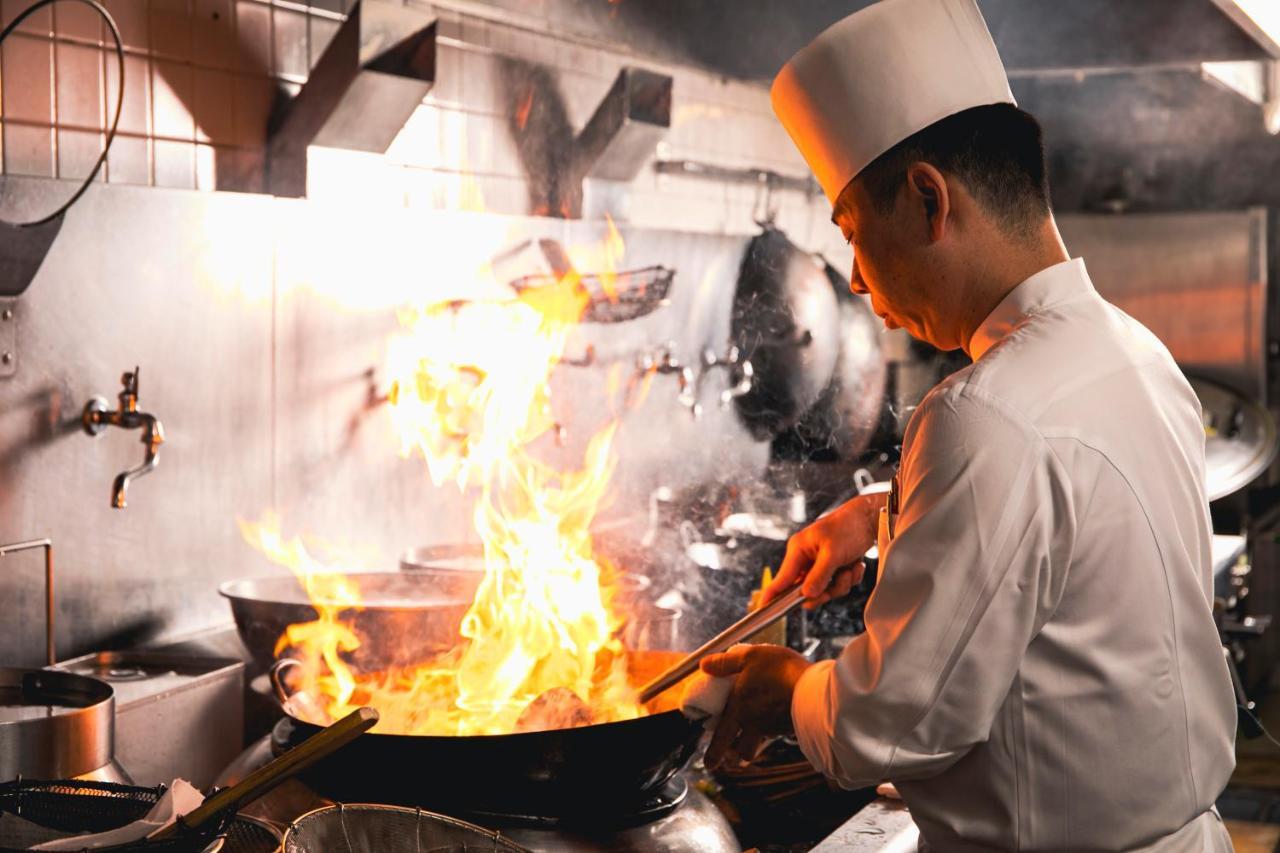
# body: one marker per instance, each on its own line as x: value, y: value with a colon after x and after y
x: 33, y: 811
x: 364, y: 828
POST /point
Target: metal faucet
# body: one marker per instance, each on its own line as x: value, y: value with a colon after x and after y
x: 740, y: 371
x: 663, y: 361
x: 98, y: 417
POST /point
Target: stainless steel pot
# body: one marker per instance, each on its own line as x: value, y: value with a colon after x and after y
x: 55, y: 725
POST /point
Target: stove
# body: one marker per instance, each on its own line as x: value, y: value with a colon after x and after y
x: 677, y: 818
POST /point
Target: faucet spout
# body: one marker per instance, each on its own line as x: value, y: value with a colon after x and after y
x: 97, y: 417
x: 152, y: 438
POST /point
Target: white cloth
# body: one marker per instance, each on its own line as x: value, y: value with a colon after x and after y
x: 706, y: 695
x: 880, y: 75
x: 1040, y: 669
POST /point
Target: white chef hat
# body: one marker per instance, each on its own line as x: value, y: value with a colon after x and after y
x: 880, y: 75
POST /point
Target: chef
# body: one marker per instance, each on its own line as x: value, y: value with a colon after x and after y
x: 1040, y: 668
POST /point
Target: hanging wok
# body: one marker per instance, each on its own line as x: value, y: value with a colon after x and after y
x: 841, y: 422
x: 784, y: 321
x: 549, y: 775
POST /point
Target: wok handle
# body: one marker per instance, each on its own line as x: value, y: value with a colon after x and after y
x: 277, y: 679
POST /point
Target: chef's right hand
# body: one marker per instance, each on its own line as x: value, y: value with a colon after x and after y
x: 827, y: 555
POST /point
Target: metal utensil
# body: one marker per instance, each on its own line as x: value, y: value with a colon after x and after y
x: 328, y: 740
x: 737, y: 632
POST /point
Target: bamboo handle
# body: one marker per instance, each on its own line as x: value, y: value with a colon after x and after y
x: 262, y: 780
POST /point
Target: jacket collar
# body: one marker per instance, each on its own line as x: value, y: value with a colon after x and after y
x: 1051, y: 285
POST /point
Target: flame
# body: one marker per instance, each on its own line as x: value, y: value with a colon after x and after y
x: 469, y: 392
x: 523, y: 109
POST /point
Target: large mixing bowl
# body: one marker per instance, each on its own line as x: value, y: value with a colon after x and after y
x: 402, y: 618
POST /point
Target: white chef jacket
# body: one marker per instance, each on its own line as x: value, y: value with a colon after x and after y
x: 1041, y: 669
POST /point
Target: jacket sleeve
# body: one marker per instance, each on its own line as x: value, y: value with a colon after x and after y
x: 982, y: 542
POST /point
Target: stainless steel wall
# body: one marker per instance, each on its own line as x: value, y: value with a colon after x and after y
x: 259, y: 326
x: 1198, y: 280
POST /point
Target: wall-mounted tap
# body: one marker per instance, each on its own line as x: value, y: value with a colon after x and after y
x: 662, y: 360
x: 98, y: 417
x: 741, y: 374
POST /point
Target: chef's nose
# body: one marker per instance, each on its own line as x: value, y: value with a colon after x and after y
x: 856, y: 284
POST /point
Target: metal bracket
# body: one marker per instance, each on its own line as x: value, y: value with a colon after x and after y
x: 50, y: 651
x: 370, y: 79
x: 22, y: 250
x: 8, y: 337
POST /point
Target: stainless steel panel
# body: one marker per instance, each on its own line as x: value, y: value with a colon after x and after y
x: 158, y: 279
x: 1197, y: 280
x: 260, y: 324
x: 176, y: 717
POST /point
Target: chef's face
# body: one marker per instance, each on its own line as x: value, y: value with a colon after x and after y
x: 896, y: 263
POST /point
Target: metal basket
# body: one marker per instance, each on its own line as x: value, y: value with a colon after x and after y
x: 363, y: 828
x: 74, y: 806
x: 251, y: 835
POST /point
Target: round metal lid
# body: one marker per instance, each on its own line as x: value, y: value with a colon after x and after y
x: 54, y: 725
x: 1240, y: 438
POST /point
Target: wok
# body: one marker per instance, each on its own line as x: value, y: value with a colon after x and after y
x: 402, y: 617
x: 576, y: 773
x: 784, y: 321
x: 843, y: 420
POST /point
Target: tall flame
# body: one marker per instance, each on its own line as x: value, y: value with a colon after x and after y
x: 470, y: 393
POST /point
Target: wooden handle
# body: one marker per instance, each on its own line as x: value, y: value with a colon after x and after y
x: 262, y: 780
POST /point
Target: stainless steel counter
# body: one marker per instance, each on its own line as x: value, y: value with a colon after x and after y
x: 884, y: 826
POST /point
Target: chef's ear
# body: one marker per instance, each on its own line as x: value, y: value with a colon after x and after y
x: 929, y: 188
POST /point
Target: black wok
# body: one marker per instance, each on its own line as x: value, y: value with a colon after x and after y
x: 784, y: 322
x: 564, y: 773
x: 402, y: 617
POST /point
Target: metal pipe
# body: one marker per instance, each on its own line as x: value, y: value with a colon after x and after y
x: 47, y: 545
x: 152, y: 437
x: 761, y: 177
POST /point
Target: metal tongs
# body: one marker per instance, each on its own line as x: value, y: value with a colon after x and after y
x: 748, y: 625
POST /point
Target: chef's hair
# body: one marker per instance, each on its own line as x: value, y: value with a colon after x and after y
x: 996, y: 150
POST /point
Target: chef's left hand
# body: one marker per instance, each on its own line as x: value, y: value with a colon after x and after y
x: 759, y: 705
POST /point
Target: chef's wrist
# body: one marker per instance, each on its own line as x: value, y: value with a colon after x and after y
x: 810, y: 700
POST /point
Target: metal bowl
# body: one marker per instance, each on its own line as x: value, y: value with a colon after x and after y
x: 402, y: 619
x: 456, y: 570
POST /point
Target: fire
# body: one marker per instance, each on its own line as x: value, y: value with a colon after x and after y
x: 469, y: 392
